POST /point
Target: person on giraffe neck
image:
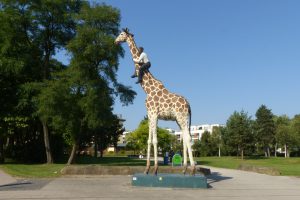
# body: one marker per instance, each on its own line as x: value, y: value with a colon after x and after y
x: 144, y: 62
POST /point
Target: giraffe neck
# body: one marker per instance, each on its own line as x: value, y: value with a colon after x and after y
x: 134, y: 50
x: 148, y: 79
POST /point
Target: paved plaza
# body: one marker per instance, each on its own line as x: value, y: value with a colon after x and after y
x: 223, y: 184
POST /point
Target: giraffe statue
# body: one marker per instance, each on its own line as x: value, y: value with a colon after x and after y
x: 161, y: 104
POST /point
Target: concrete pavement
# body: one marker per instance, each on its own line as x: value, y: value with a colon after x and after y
x: 223, y: 184
x: 6, y: 179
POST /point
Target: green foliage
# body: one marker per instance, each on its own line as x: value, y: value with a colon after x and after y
x: 239, y: 132
x: 265, y: 128
x: 138, y: 139
x: 74, y: 103
x: 284, y: 133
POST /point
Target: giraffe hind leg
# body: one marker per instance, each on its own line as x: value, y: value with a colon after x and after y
x: 155, y: 170
x: 193, y: 170
x: 184, y: 169
x: 147, y: 168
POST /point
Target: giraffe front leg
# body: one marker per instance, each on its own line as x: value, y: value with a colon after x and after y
x: 155, y: 152
x: 148, y: 155
x: 153, y: 129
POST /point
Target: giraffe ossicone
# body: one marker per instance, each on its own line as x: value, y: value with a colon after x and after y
x: 161, y: 104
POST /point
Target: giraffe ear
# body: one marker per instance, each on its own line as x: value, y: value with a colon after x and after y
x: 126, y: 30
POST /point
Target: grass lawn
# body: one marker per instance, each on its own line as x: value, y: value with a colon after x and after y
x: 53, y: 170
x: 33, y: 170
x: 286, y: 166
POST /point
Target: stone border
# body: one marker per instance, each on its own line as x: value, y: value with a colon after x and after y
x: 258, y: 169
x: 121, y: 170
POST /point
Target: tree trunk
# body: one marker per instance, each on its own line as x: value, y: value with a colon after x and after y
x: 275, y: 152
x: 242, y: 154
x: 96, y: 150
x: 268, y: 151
x: 73, y: 153
x: 1, y: 150
x: 7, y: 143
x: 285, y: 150
x: 265, y: 150
x: 47, y: 143
x: 219, y: 151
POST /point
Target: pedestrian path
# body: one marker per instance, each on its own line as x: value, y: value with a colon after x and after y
x: 6, y: 179
x: 224, y: 184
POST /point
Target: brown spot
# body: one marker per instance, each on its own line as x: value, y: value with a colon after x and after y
x: 148, y: 90
x: 174, y: 99
x: 165, y: 105
x: 181, y: 100
x: 160, y: 86
x: 171, y: 95
x: 134, y: 51
x: 168, y: 100
x: 149, y: 99
x: 151, y: 82
x: 161, y: 100
x: 165, y: 91
x: 153, y: 93
x: 156, y: 98
x: 178, y: 104
x: 180, y: 110
x: 152, y: 88
x: 151, y: 103
x: 159, y: 93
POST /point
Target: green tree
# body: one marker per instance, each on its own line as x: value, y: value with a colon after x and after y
x: 72, y: 102
x: 265, y: 128
x: 95, y: 62
x: 196, y: 148
x: 18, y: 64
x: 42, y: 28
x: 138, y: 139
x: 205, y: 144
x: 296, y: 131
x: 285, y: 137
x: 54, y: 28
x: 239, y: 132
x: 216, y: 141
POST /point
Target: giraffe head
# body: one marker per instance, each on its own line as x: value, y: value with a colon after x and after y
x: 123, y: 36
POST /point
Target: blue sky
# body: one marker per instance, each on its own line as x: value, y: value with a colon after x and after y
x: 223, y: 56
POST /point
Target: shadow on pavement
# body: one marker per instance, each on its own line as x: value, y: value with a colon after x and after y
x: 216, y: 177
x: 33, y: 184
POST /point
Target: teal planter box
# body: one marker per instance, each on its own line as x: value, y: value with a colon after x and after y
x: 169, y: 180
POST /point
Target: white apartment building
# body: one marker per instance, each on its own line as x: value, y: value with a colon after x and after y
x: 198, y: 130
